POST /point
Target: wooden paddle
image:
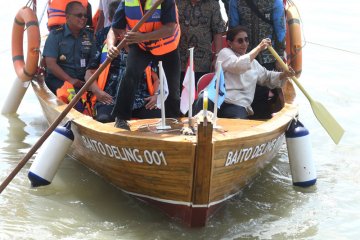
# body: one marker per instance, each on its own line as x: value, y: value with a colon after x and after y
x: 73, y: 102
x: 332, y: 127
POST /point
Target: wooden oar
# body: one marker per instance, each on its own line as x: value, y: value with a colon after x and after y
x: 73, y: 102
x: 332, y: 127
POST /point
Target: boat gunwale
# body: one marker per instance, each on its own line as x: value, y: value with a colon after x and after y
x: 257, y: 128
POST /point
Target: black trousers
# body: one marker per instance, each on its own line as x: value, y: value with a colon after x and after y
x: 262, y: 104
x: 142, y: 113
x: 137, y: 61
x: 226, y: 110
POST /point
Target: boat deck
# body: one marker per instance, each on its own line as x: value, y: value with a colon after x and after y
x: 147, y: 128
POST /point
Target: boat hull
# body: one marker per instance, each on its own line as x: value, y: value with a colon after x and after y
x: 188, y: 177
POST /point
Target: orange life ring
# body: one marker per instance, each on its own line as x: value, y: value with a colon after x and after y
x: 25, y: 18
x: 293, y: 38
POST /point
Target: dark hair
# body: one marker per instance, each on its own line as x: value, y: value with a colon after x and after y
x: 231, y: 33
x: 112, y: 9
x: 71, y: 5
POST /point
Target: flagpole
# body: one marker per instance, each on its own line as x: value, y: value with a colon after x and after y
x: 161, y: 73
x: 218, y: 66
x: 205, y: 106
x: 190, y: 82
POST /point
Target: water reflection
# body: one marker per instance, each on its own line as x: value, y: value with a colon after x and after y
x: 268, y: 204
x: 14, y: 139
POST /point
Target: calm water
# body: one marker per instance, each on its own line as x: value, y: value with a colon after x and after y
x: 80, y: 205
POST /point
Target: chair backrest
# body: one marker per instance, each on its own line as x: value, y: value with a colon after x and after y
x: 223, y: 43
x: 204, y: 81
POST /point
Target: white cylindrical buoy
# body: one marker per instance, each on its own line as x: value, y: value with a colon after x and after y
x: 15, y: 96
x: 46, y: 163
x: 300, y: 155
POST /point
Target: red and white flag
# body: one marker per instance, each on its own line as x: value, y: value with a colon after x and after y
x: 188, y: 92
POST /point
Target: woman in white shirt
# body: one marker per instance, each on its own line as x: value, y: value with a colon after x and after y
x: 242, y: 72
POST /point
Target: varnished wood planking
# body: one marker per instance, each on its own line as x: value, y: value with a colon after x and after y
x: 148, y: 180
x: 195, y: 172
x: 234, y: 178
x: 232, y: 128
x: 203, y: 164
x: 174, y: 179
x: 227, y: 180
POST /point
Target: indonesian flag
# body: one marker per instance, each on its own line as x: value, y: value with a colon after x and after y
x: 188, y: 88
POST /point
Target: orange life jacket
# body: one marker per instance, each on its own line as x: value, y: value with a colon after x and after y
x: 149, y: 80
x: 56, y: 11
x: 101, y: 82
x: 134, y: 12
x: 102, y: 79
x: 67, y: 92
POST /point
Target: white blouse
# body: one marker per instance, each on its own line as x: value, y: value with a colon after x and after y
x: 241, y: 77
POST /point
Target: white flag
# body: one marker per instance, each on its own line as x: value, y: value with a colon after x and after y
x: 186, y: 100
x: 165, y: 88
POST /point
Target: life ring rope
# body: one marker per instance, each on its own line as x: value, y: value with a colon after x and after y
x: 25, y: 20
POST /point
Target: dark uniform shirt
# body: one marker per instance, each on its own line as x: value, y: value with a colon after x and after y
x: 72, y: 54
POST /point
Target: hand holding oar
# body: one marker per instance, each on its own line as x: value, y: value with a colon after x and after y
x: 332, y: 127
x: 73, y: 102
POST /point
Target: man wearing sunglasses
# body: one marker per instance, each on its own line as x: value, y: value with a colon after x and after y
x: 67, y: 53
x: 56, y: 12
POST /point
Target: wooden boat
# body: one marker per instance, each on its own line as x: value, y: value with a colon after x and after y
x: 188, y: 177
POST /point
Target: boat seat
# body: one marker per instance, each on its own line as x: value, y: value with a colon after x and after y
x: 204, y: 81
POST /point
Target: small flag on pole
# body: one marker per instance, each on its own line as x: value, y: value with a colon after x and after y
x: 188, y: 91
x: 164, y: 86
x: 221, y: 86
x: 164, y: 92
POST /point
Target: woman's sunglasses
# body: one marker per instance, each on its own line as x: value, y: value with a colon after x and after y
x: 79, y: 15
x: 242, y: 40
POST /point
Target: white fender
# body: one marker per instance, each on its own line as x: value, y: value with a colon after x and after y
x: 46, y: 163
x: 14, y: 97
x: 300, y: 155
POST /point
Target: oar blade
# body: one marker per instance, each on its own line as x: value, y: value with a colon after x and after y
x: 332, y: 127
